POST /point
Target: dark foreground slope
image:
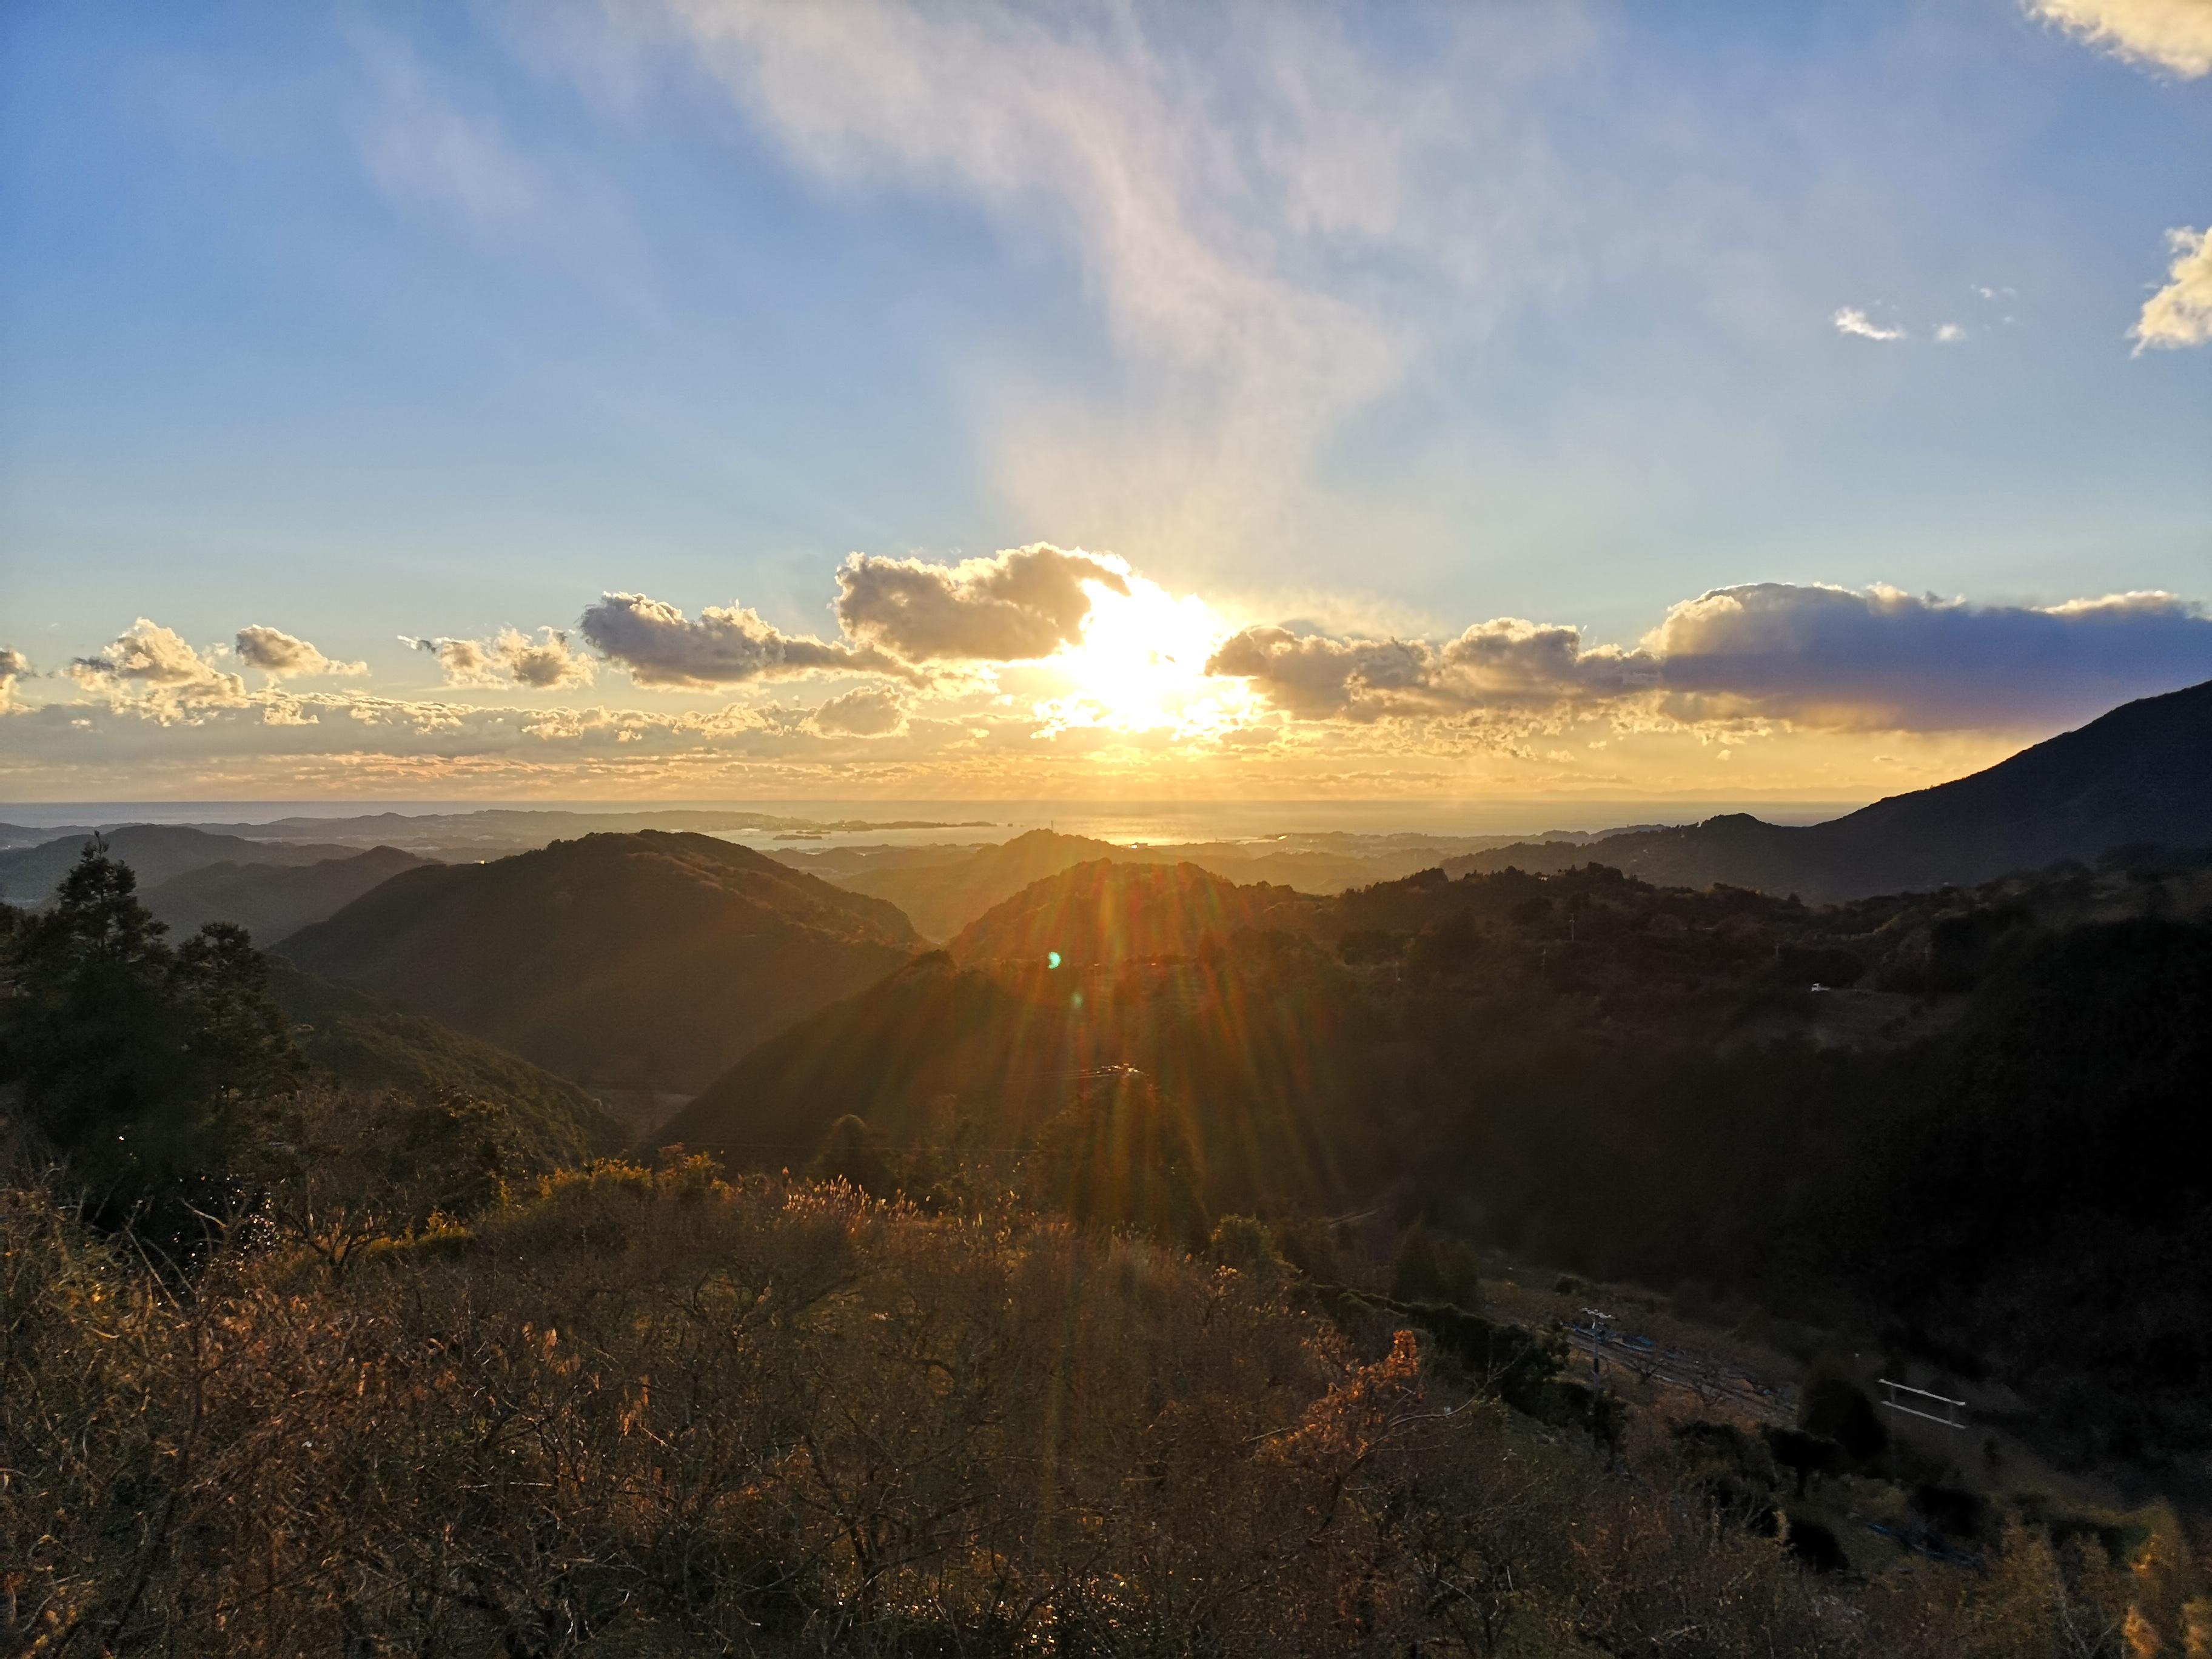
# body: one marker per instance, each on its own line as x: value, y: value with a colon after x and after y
x: 270, y: 901
x: 2142, y: 774
x: 651, y: 960
x: 157, y: 852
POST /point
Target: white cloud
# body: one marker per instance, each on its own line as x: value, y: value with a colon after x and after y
x: 2169, y: 35
x: 1277, y: 235
x: 510, y: 657
x: 728, y: 645
x: 1850, y: 319
x: 1020, y: 604
x: 13, y: 666
x: 150, y: 670
x: 420, y: 145
x: 2180, y: 313
x: 282, y: 656
x: 1949, y: 333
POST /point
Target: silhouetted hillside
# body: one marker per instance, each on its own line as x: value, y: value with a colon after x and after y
x: 1109, y: 911
x: 2142, y: 774
x: 360, y: 1041
x: 156, y: 852
x: 1254, y: 1063
x: 942, y: 898
x: 270, y: 901
x: 651, y: 960
x: 942, y: 891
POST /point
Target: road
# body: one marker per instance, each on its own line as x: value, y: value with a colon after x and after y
x: 1682, y: 1369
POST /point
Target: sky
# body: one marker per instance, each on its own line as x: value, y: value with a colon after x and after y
x: 699, y: 399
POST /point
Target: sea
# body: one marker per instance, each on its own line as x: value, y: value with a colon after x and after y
x: 1147, y: 822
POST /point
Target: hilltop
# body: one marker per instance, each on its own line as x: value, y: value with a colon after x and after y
x: 2139, y: 775
x: 944, y: 889
x: 1108, y: 911
x: 646, y: 960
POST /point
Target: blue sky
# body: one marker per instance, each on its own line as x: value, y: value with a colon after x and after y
x: 365, y: 322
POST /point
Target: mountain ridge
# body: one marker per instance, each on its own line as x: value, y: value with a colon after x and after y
x: 651, y: 959
x: 2140, y: 774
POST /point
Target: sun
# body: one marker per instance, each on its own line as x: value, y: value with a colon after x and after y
x: 1141, y: 667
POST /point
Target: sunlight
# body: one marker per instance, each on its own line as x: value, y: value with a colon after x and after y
x: 1141, y: 667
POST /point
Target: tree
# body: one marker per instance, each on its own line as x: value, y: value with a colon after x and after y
x: 142, y: 1063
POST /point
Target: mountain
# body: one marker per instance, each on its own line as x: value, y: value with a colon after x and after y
x: 364, y: 1042
x: 270, y: 901
x: 646, y: 960
x: 1107, y: 911
x: 157, y: 852
x: 2141, y: 775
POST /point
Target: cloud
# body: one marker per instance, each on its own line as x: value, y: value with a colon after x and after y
x: 1949, y: 333
x: 1276, y: 236
x: 2180, y: 313
x: 281, y: 656
x: 660, y: 646
x: 2170, y: 34
x: 150, y: 670
x: 13, y: 666
x: 1023, y: 604
x: 547, y: 663
x: 1850, y: 319
x: 1824, y: 658
x: 1504, y: 666
x: 419, y: 145
x: 868, y: 711
x: 1886, y: 660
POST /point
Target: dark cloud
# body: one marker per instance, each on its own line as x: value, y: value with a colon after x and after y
x: 1022, y: 604
x: 280, y: 654
x: 660, y: 646
x: 1826, y: 657
x: 1883, y: 659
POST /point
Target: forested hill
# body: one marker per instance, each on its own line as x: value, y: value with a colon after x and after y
x: 270, y: 901
x: 651, y: 960
x: 2142, y: 774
